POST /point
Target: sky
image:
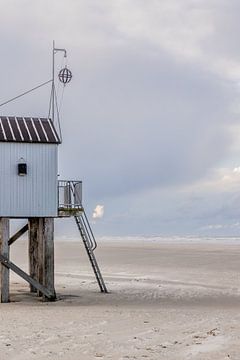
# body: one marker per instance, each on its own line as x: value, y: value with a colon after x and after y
x: 151, y: 118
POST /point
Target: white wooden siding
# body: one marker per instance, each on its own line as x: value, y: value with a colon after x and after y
x: 32, y: 195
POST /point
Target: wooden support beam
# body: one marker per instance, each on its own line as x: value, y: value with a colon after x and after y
x: 33, y: 244
x: 46, y: 253
x: 18, y: 234
x: 41, y: 252
x: 48, y: 280
x: 9, y: 265
x: 4, y: 251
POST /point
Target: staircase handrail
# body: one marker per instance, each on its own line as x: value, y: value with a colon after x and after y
x: 89, y: 231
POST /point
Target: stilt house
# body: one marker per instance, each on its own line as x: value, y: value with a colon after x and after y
x: 29, y: 188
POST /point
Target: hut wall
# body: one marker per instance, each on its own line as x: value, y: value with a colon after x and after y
x: 34, y: 194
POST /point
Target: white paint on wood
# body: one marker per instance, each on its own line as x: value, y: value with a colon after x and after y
x: 32, y: 195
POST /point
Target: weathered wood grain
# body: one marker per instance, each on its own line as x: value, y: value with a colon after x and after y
x: 33, y: 242
x: 4, y: 251
x: 9, y: 265
x: 18, y: 234
x: 48, y: 253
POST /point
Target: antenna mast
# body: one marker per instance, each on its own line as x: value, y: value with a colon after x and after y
x: 54, y: 51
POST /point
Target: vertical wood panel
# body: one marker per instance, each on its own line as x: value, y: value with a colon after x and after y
x: 33, y: 238
x: 34, y: 194
x: 4, y: 250
x: 48, y: 254
x: 40, y: 253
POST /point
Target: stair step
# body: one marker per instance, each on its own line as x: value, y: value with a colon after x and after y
x: 90, y: 245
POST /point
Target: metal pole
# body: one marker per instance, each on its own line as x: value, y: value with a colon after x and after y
x: 54, y: 51
x: 53, y: 82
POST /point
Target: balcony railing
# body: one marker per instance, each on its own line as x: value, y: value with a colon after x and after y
x: 69, y: 195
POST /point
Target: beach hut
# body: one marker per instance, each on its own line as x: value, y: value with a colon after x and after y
x: 30, y: 189
x: 28, y: 167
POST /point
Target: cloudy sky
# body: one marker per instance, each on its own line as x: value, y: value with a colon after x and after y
x: 151, y: 119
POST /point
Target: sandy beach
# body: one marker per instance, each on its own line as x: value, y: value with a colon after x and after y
x: 167, y: 300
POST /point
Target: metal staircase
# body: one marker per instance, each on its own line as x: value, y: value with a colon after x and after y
x: 70, y: 204
x: 90, y: 245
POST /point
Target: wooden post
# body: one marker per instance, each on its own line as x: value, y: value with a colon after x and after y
x: 4, y: 250
x: 46, y: 254
x: 33, y: 244
x: 48, y: 248
x: 40, y: 253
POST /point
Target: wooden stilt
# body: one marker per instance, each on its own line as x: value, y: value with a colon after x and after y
x: 33, y: 238
x: 46, y: 254
x: 40, y: 253
x: 4, y: 250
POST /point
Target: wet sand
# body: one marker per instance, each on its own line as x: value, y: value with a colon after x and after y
x: 167, y: 300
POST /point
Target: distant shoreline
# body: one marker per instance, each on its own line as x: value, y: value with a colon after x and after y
x: 159, y: 239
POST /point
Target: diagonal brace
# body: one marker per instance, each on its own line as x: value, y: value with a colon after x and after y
x: 18, y: 234
x: 49, y: 294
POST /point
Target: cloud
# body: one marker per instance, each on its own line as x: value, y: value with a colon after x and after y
x: 237, y: 170
x: 220, y: 226
x: 210, y: 206
x: 164, y: 120
x: 154, y: 123
x: 200, y: 32
x: 152, y: 109
x: 98, y: 212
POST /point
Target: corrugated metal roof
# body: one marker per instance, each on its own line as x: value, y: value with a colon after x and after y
x: 26, y: 129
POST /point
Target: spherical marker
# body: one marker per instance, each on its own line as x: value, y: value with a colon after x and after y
x: 65, y: 76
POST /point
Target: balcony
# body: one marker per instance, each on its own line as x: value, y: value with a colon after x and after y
x: 69, y: 198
